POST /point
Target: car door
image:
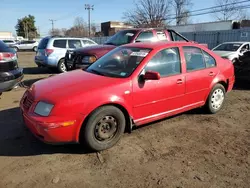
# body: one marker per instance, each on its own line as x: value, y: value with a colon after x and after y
x: 153, y: 98
x: 200, y: 71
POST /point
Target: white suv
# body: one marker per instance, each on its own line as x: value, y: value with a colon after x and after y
x: 25, y: 45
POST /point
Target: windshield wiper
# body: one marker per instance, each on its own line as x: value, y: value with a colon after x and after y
x: 110, y: 43
x: 97, y: 72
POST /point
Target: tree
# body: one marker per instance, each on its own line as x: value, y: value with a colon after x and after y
x: 26, y: 27
x: 148, y: 13
x: 78, y: 29
x: 229, y: 10
x: 181, y: 8
x: 56, y: 32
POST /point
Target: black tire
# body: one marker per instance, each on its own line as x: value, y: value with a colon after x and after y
x: 61, y: 67
x: 35, y: 48
x: 212, y: 106
x: 93, y: 133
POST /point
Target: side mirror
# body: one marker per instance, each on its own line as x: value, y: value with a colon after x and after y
x: 152, y: 75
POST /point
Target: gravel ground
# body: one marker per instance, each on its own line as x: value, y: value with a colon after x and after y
x: 189, y: 150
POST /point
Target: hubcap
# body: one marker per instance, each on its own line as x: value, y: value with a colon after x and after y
x: 63, y: 67
x: 106, y: 128
x: 217, y: 99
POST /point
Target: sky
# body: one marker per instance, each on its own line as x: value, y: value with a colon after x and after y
x: 65, y: 11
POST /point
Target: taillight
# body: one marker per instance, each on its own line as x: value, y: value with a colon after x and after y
x: 48, y: 52
x: 6, y: 56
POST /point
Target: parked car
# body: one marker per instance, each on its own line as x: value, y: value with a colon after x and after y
x: 9, y: 42
x: 83, y: 57
x: 51, y: 50
x: 232, y: 50
x: 131, y: 85
x: 25, y: 45
x: 10, y: 73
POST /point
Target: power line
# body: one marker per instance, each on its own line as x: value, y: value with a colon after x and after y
x: 89, y: 7
x: 215, y: 7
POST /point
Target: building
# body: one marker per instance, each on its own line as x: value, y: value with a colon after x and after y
x: 207, y: 26
x: 6, y: 35
x: 111, y: 27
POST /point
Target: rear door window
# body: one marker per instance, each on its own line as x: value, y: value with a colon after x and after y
x: 60, y: 43
x: 43, y: 43
x: 145, y: 36
x: 75, y: 44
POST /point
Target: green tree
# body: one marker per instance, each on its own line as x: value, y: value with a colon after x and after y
x: 26, y: 27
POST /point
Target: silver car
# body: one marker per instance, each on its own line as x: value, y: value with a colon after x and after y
x: 232, y: 50
x: 9, y: 42
x: 51, y: 51
x: 25, y: 45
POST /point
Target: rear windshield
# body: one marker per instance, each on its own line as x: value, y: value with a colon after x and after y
x: 60, y: 43
x: 43, y: 43
x: 4, y: 47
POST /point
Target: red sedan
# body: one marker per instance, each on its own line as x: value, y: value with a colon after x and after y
x: 132, y: 85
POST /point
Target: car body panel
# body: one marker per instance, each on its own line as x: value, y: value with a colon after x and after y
x: 83, y: 92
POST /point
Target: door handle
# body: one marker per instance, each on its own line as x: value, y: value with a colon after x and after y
x: 211, y: 74
x: 179, y: 81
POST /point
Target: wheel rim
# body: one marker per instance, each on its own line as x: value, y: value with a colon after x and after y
x: 217, y: 99
x: 106, y: 128
x: 35, y: 49
x: 63, y: 67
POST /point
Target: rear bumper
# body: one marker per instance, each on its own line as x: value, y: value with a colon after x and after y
x: 46, y: 61
x: 10, y: 79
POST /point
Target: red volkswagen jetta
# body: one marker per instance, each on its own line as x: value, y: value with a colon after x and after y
x: 131, y: 85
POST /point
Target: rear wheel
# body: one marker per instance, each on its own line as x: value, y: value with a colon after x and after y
x: 61, y: 67
x: 103, y: 129
x: 215, y: 99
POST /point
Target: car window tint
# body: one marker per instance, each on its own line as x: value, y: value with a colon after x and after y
x: 75, y: 44
x: 194, y: 58
x: 209, y: 60
x: 166, y: 62
x: 176, y: 37
x: 161, y: 35
x: 145, y: 36
x: 59, y: 43
x: 87, y: 42
x: 43, y: 43
x: 245, y: 47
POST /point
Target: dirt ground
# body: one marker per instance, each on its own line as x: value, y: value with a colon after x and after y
x: 189, y: 150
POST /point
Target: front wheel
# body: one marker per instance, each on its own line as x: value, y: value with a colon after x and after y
x: 35, y: 49
x: 215, y: 99
x: 103, y: 129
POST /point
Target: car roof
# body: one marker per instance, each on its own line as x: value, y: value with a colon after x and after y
x: 62, y: 37
x: 235, y: 42
x: 160, y: 44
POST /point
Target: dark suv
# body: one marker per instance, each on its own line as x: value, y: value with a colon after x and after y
x: 10, y: 73
x: 83, y: 57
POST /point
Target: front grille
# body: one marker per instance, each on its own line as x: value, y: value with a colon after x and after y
x: 27, y: 102
x: 8, y: 66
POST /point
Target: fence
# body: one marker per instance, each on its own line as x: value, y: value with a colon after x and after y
x: 212, y: 38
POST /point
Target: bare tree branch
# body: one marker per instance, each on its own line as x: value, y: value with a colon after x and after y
x: 181, y: 8
x: 149, y: 13
x: 228, y: 11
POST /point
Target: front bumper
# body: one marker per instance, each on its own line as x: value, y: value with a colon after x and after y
x: 38, y: 126
x: 9, y: 80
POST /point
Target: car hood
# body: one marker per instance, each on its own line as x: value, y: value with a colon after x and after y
x: 69, y: 84
x: 224, y: 53
x: 95, y: 49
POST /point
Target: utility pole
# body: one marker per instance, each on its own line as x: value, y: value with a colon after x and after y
x: 89, y: 7
x: 52, y: 23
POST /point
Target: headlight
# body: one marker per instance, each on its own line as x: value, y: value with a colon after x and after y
x: 88, y: 59
x: 43, y: 108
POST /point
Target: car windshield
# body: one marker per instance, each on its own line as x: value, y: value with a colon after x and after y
x: 122, y: 37
x: 228, y: 47
x: 119, y: 63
